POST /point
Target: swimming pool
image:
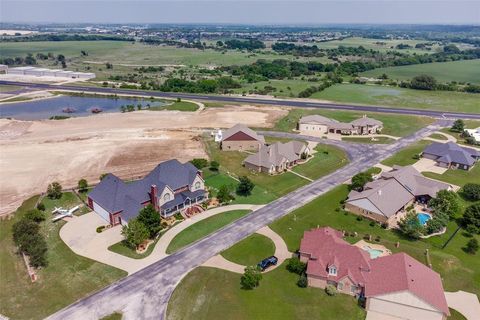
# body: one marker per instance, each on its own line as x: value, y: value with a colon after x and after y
x: 423, y: 217
x: 374, y: 253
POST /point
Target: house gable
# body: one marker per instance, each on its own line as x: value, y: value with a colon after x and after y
x: 240, y: 136
x: 366, y: 204
x: 406, y: 298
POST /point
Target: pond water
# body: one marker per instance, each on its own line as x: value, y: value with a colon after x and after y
x: 46, y: 108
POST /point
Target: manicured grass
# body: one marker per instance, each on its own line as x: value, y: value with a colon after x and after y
x: 125, y: 250
x: 204, y: 228
x: 113, y: 316
x: 406, y: 156
x: 395, y: 125
x: 455, y: 315
x: 438, y: 136
x: 259, y: 195
x: 459, y: 270
x: 460, y: 71
x: 67, y: 277
x: 178, y: 106
x: 209, y: 293
x: 401, y: 98
x: 281, y: 184
x: 378, y: 140
x: 7, y: 88
x: 250, y: 251
x: 326, y: 159
x: 457, y: 176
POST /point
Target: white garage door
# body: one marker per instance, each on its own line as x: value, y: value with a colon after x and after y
x: 101, y: 212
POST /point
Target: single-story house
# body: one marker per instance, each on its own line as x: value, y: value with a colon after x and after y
x: 170, y: 187
x: 396, y: 285
x: 240, y: 137
x: 277, y: 157
x: 386, y: 199
x: 474, y: 133
x: 361, y: 126
x: 451, y: 155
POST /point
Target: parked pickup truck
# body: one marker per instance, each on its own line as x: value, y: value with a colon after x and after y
x: 267, y: 262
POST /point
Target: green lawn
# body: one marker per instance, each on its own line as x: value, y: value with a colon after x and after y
x: 406, y: 156
x: 469, y: 124
x: 438, y: 136
x: 395, y: 125
x: 125, y: 250
x: 457, y: 177
x: 178, y: 106
x: 67, y: 278
x: 326, y: 159
x: 277, y: 185
x: 113, y: 316
x: 209, y: 293
x: 378, y: 140
x: 250, y: 251
x: 461, y: 71
x: 7, y: 88
x: 401, y: 98
x: 204, y: 228
x: 459, y: 270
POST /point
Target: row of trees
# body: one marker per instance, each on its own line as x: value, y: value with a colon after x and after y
x: 219, y: 85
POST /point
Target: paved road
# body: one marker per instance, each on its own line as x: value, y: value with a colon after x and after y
x: 145, y: 294
x: 237, y: 99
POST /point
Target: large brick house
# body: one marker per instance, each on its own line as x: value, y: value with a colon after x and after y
x: 451, y: 155
x: 395, y: 286
x: 240, y: 137
x: 170, y: 187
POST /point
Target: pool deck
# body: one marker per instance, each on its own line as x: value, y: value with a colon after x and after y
x: 362, y: 243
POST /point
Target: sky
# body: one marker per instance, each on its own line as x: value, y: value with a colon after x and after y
x: 243, y: 11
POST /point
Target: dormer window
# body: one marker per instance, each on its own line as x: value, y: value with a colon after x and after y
x: 166, y: 197
x: 332, y: 271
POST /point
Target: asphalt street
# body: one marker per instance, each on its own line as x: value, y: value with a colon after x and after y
x: 145, y: 294
x: 239, y: 99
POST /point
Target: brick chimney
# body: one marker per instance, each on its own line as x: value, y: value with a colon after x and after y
x: 154, y: 196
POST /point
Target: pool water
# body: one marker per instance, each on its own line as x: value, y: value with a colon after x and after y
x: 374, y: 253
x: 423, y: 218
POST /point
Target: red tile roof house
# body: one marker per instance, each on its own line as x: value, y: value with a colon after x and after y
x: 240, y: 137
x: 395, y: 285
x: 170, y: 187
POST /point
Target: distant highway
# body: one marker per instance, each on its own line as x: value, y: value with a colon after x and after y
x: 239, y: 99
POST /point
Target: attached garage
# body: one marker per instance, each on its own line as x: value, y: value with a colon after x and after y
x: 99, y: 210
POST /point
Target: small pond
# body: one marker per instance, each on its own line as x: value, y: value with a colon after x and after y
x: 82, y: 106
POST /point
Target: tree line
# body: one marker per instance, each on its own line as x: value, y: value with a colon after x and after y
x: 66, y: 37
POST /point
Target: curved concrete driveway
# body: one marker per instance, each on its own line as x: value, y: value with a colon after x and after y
x: 281, y: 252
x: 81, y: 236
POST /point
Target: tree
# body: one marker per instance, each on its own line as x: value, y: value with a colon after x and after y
x: 35, y: 215
x: 82, y: 185
x: 37, y: 251
x: 458, y: 126
x: 151, y: 219
x: 41, y: 206
x: 446, y: 202
x: 330, y: 290
x: 471, y: 218
x: 472, y: 191
x: 219, y: 43
x: 410, y: 226
x: 135, y: 233
x: 251, y: 278
x: 302, y: 281
x: 108, y: 65
x: 472, y: 246
x: 360, y: 180
x: 214, y: 165
x: 224, y: 194
x: 435, y: 225
x: 199, y: 163
x: 103, y: 175
x: 23, y: 231
x: 245, y: 186
x: 296, y: 266
x: 54, y: 190
x: 423, y: 82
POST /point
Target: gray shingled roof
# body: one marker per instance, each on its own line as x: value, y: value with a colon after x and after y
x: 316, y: 119
x: 243, y: 128
x: 451, y: 152
x: 276, y: 154
x: 366, y: 121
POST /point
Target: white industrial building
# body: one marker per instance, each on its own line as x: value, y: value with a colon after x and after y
x: 43, y: 72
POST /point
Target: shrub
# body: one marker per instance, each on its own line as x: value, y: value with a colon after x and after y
x: 251, y: 278
x: 100, y: 229
x: 472, y: 191
x: 41, y: 206
x: 54, y: 190
x: 359, y: 218
x: 245, y: 186
x: 296, y: 266
x: 82, y: 185
x: 472, y: 246
x: 214, y: 165
x: 302, y: 281
x: 199, y: 163
x: 35, y: 215
x: 372, y: 224
x: 330, y: 290
x: 471, y: 218
x: 224, y: 194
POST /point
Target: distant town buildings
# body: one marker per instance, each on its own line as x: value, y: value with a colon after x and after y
x: 43, y: 72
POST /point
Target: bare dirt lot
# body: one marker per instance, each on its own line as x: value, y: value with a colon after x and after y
x: 35, y: 153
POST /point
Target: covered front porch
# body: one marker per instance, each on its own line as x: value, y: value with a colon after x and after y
x: 183, y: 202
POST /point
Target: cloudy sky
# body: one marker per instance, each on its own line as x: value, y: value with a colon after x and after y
x: 243, y: 11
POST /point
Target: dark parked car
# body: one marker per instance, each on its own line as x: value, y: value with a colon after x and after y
x: 265, y: 263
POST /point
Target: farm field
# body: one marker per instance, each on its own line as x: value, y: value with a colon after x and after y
x: 67, y: 277
x: 461, y: 71
x: 210, y: 293
x: 401, y: 97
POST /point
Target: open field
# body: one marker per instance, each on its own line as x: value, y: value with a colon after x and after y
x: 460, y: 271
x: 460, y: 71
x: 204, y: 228
x: 209, y: 293
x: 68, y: 277
x: 250, y: 250
x: 406, y: 156
x: 395, y: 125
x: 401, y: 97
x: 126, y: 144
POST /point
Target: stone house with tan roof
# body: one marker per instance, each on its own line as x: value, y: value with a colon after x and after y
x: 321, y: 124
x: 241, y: 138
